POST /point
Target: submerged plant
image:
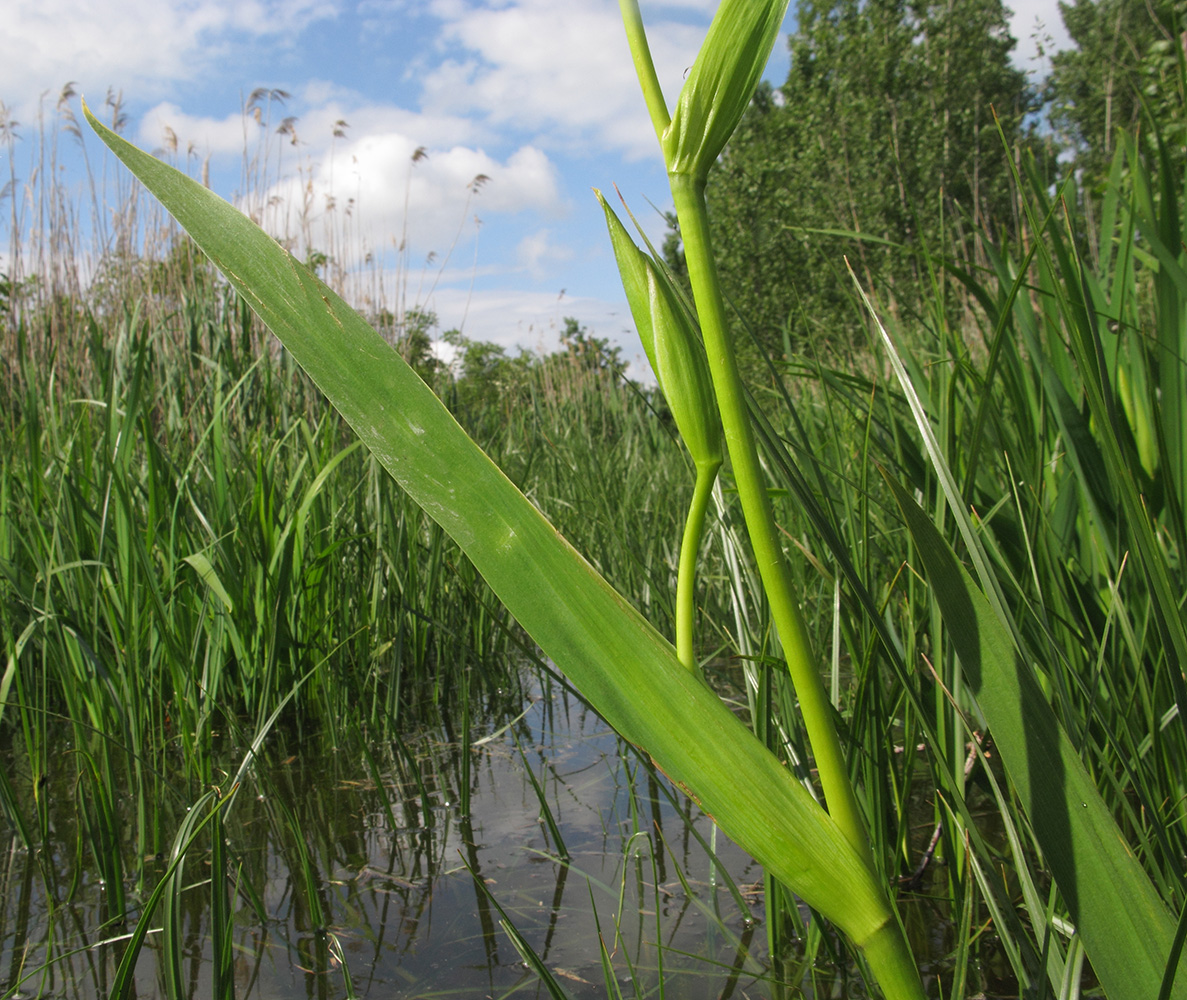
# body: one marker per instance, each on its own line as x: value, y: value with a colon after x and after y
x: 629, y: 672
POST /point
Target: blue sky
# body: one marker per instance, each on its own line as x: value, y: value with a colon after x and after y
x: 538, y: 96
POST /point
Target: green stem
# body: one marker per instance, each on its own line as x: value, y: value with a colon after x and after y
x: 690, y: 548
x: 892, y: 963
x: 632, y: 20
x: 689, y: 196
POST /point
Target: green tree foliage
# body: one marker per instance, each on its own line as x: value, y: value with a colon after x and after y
x: 485, y: 377
x: 1128, y: 52
x: 412, y: 336
x: 588, y: 351
x: 883, y: 131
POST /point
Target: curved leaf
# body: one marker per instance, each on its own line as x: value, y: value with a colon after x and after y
x: 1126, y: 929
x: 626, y: 669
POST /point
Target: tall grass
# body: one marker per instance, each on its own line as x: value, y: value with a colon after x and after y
x: 190, y: 540
x: 1050, y: 421
x: 196, y: 552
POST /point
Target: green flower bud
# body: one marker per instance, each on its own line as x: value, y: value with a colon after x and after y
x: 721, y: 83
x: 672, y: 343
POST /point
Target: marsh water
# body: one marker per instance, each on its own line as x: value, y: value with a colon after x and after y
x: 363, y: 871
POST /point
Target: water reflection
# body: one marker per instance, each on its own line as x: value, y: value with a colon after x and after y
x: 365, y: 856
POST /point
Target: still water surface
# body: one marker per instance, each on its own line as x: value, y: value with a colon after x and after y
x: 363, y: 859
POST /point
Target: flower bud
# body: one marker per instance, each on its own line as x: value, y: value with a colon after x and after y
x: 721, y: 83
x: 672, y: 343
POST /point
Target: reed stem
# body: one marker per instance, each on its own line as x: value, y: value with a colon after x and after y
x: 690, y: 548
x: 689, y: 195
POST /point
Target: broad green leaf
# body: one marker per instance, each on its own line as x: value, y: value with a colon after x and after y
x: 1126, y: 928
x: 622, y: 665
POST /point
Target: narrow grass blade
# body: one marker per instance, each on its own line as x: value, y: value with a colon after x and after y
x: 613, y: 990
x: 1126, y: 928
x: 525, y: 950
x: 1172, y: 964
x: 554, y: 830
x: 124, y: 981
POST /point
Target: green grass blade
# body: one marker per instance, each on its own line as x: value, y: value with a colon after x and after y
x: 613, y: 990
x: 1127, y: 930
x: 554, y: 830
x: 526, y: 952
x: 124, y: 981
x: 1173, y: 963
x: 622, y: 665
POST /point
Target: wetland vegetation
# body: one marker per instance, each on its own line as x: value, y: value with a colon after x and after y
x: 265, y: 729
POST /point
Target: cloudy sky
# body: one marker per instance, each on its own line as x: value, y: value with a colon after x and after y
x: 517, y: 109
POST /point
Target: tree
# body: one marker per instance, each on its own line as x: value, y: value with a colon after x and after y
x: 587, y: 351
x: 1126, y: 53
x: 484, y: 383
x: 885, y: 129
x: 485, y: 378
x: 412, y: 336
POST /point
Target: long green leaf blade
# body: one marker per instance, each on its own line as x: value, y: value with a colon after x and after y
x: 626, y: 669
x: 1127, y: 930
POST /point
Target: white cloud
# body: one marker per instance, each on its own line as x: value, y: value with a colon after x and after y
x: 358, y: 158
x: 560, y: 71
x: 704, y: 7
x: 135, y: 44
x: 383, y: 198
x: 320, y: 110
x: 208, y: 136
x: 537, y: 250
x: 326, y: 104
